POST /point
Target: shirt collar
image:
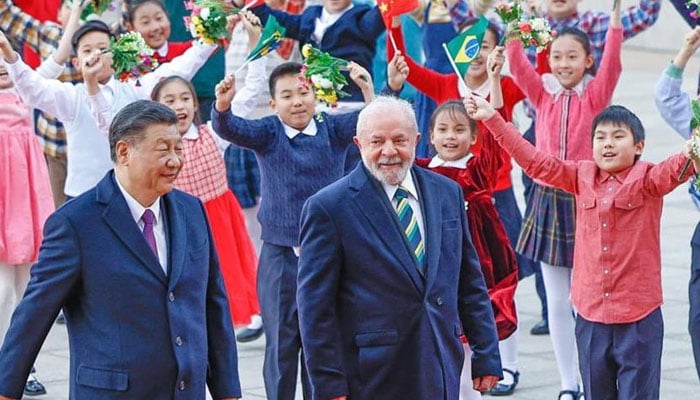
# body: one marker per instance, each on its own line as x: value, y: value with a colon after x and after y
x: 553, y: 87
x: 163, y: 50
x: 459, y: 163
x: 330, y: 18
x: 483, y: 90
x: 407, y: 184
x: 310, y: 130
x: 618, y: 176
x: 136, y: 208
x: 192, y: 133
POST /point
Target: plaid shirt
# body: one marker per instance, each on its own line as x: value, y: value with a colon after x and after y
x: 635, y: 19
x: 243, y: 175
x: 42, y: 38
x: 203, y: 173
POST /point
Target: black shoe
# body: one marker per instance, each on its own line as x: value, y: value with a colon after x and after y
x: 34, y: 388
x: 540, y: 328
x: 61, y: 319
x: 248, y: 335
x: 575, y: 394
x: 502, y: 389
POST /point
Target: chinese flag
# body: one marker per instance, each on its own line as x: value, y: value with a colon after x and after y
x: 391, y: 8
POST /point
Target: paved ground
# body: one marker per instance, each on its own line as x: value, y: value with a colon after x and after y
x: 539, y: 379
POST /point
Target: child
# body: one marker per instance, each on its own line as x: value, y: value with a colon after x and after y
x: 674, y: 107
x: 298, y: 155
x: 26, y: 199
x: 88, y: 153
x: 453, y: 134
x: 44, y: 39
x: 338, y: 27
x: 616, y: 285
x: 150, y: 19
x: 565, y: 102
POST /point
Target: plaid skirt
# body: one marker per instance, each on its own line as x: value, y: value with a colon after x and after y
x: 548, y: 228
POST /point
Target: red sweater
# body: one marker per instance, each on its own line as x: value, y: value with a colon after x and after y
x: 174, y: 49
x: 444, y: 87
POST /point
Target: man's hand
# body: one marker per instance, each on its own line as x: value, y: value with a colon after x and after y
x: 484, y: 383
x: 225, y: 90
x: 1, y: 396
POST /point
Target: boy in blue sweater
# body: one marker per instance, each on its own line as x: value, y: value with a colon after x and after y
x: 298, y: 155
x: 338, y: 27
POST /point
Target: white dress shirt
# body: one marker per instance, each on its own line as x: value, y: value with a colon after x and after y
x: 324, y: 21
x: 410, y: 187
x: 459, y: 163
x: 291, y: 133
x: 137, y: 211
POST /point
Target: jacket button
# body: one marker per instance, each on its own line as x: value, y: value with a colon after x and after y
x: 440, y: 301
x: 171, y: 296
x: 181, y: 385
x: 178, y: 341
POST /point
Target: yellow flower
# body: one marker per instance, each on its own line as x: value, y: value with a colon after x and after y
x: 306, y: 50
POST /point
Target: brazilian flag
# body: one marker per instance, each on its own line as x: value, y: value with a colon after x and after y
x: 464, y: 48
x: 270, y: 37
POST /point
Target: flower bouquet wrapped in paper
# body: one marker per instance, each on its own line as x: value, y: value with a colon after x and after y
x: 322, y: 74
x: 131, y: 56
x: 694, y: 139
x: 207, y: 22
x: 96, y: 7
x: 530, y: 31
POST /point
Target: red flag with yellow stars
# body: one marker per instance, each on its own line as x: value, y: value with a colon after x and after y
x: 391, y: 8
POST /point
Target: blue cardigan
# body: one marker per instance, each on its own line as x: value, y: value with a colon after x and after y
x: 352, y: 37
x: 291, y: 170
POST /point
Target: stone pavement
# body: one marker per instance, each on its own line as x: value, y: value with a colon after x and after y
x: 539, y: 379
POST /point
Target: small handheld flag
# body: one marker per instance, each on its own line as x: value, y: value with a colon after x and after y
x: 271, y: 37
x: 464, y: 48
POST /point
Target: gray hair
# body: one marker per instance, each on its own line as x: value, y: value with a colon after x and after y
x: 131, y: 122
x: 386, y: 105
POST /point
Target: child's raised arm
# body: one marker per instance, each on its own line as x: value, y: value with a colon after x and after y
x: 615, y: 15
x: 494, y: 65
x: 397, y: 72
x: 65, y: 47
x: 363, y: 80
x: 674, y: 104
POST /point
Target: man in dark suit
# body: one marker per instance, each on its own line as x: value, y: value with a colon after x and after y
x: 133, y: 265
x: 382, y: 292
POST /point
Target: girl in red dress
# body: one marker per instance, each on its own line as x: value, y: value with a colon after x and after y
x: 453, y: 134
x: 204, y: 175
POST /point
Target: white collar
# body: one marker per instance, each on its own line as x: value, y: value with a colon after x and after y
x: 483, y: 90
x: 330, y: 18
x: 192, y: 133
x: 163, y: 50
x: 291, y: 133
x: 407, y: 184
x: 459, y: 163
x: 136, y: 208
x: 553, y: 87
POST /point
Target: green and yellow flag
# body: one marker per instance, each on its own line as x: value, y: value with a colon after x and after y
x: 271, y: 37
x: 463, y: 49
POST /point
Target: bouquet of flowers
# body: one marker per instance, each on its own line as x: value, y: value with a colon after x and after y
x: 531, y: 31
x: 131, y: 56
x: 208, y: 19
x: 96, y: 7
x: 694, y: 6
x: 322, y: 74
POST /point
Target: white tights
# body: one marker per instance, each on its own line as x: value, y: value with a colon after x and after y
x: 13, y: 282
x: 557, y: 285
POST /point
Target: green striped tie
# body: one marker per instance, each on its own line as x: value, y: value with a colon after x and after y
x: 409, y: 223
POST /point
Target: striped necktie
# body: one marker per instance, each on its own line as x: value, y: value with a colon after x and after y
x: 409, y: 223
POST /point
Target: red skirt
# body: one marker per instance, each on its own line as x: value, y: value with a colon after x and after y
x: 237, y: 256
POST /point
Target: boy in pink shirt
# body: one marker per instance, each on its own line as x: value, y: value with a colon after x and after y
x: 616, y: 284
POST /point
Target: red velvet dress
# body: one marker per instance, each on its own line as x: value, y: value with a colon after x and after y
x: 497, y: 258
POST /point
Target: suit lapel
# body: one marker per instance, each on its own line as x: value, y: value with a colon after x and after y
x: 118, y: 217
x: 432, y: 220
x: 177, y: 244
x: 373, y: 204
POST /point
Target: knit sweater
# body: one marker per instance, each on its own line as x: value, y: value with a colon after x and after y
x: 352, y: 37
x: 291, y: 170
